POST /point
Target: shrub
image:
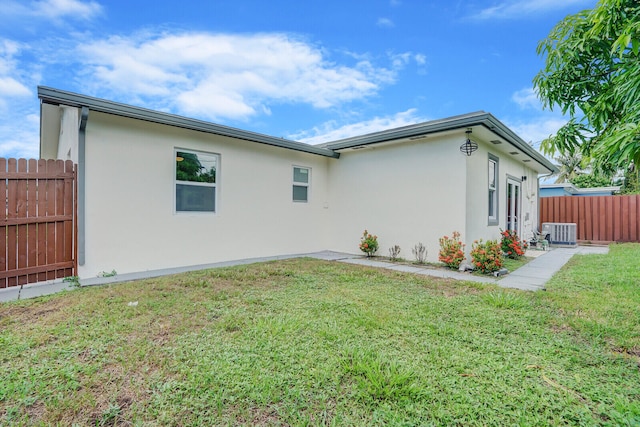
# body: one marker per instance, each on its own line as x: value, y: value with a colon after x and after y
x: 420, y: 252
x: 512, y: 246
x: 368, y: 243
x: 487, y: 256
x: 394, y: 252
x: 451, y: 250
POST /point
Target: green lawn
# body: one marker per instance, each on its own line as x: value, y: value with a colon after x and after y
x: 307, y: 342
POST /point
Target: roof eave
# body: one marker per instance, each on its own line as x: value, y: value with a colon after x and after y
x: 499, y: 128
x: 56, y: 96
x: 426, y: 128
x: 479, y: 118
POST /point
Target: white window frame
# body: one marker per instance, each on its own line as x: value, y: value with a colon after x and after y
x: 214, y: 185
x: 301, y: 184
x: 493, y: 219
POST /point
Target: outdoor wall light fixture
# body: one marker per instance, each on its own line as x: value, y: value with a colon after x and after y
x: 469, y: 146
x: 524, y: 177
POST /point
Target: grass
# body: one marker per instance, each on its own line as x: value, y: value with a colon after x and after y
x: 514, y: 264
x: 307, y: 342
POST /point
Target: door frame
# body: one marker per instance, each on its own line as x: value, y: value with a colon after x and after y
x: 513, y: 204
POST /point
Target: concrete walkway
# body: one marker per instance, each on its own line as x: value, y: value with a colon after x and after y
x: 535, y: 274
x: 530, y: 277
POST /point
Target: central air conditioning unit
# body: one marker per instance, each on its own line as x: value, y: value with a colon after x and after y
x: 560, y: 233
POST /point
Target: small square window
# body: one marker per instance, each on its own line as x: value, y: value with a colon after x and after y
x: 301, y: 181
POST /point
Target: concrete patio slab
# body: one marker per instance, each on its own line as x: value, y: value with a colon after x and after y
x: 10, y: 294
x: 34, y: 290
x: 467, y: 277
x: 365, y: 261
x: 406, y: 268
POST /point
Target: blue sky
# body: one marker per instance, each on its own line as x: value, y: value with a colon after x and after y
x: 312, y: 71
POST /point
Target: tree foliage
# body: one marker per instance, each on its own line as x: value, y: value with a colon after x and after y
x: 631, y: 182
x: 592, y: 73
x: 591, y: 180
x: 569, y: 167
x: 190, y: 168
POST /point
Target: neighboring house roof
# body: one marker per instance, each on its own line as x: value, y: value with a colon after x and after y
x: 574, y: 191
x: 498, y: 133
x: 57, y: 97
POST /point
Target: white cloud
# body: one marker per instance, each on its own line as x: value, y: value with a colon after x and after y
x: 74, y: 8
x: 400, y: 60
x: 10, y: 73
x: 385, y: 23
x: 523, y: 8
x: 226, y: 76
x: 20, y: 123
x: 526, y: 98
x: 331, y: 131
x: 11, y: 87
x: 53, y: 10
x: 537, y: 128
x: 20, y: 141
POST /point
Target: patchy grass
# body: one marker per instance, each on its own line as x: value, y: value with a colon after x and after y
x: 599, y: 295
x: 307, y: 342
x: 514, y: 264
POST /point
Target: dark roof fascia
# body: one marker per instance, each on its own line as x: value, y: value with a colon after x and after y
x: 497, y: 127
x: 56, y: 96
x: 479, y: 118
x: 419, y: 129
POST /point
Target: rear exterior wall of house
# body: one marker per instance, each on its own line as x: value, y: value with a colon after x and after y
x: 132, y: 223
x: 406, y: 193
x: 510, y: 169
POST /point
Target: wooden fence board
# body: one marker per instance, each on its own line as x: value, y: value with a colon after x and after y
x: 38, y: 224
x: 59, y: 210
x: 51, y: 209
x: 599, y: 219
x: 633, y: 218
x: 3, y: 229
x: 582, y: 221
x: 21, y: 208
x: 32, y: 231
x: 12, y: 231
x: 42, y: 227
x: 624, y: 219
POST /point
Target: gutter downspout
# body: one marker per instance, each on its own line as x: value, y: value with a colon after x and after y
x: 539, y: 224
x: 84, y: 117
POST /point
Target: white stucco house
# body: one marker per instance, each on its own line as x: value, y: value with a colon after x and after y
x: 143, y: 208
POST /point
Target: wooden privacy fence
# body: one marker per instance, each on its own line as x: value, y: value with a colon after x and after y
x: 599, y: 219
x: 38, y: 223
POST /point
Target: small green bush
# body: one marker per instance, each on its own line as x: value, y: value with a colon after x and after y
x: 451, y: 251
x: 368, y: 243
x: 487, y: 256
x: 512, y: 245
